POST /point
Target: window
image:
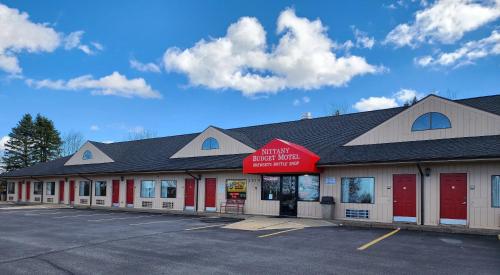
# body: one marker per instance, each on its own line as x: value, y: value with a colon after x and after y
x: 430, y: 121
x: 210, y: 144
x: 87, y: 155
x: 51, y: 188
x: 11, y: 188
x: 147, y: 189
x: 309, y: 188
x: 270, y: 187
x: 168, y: 188
x: 37, y: 188
x: 84, y: 188
x: 358, y: 190
x: 495, y: 191
x: 100, y: 188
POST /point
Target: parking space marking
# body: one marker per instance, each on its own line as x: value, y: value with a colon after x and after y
x: 40, y: 214
x: 361, y: 248
x: 122, y: 218
x: 82, y: 215
x: 279, y: 232
x: 203, y: 227
x: 153, y: 222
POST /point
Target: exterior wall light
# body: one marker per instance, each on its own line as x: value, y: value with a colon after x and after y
x: 427, y: 171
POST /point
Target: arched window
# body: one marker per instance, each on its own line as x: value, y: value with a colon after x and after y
x: 87, y: 155
x: 210, y: 144
x: 430, y: 121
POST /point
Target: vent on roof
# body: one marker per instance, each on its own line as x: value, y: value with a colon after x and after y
x: 357, y: 214
x: 307, y: 115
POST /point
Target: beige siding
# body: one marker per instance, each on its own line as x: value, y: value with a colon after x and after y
x: 97, y: 156
x: 227, y: 145
x: 465, y: 122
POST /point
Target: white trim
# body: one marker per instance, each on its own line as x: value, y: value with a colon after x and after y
x: 404, y: 219
x: 190, y: 208
x: 211, y: 209
x: 130, y: 205
x: 453, y: 221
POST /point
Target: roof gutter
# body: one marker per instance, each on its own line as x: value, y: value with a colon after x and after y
x: 408, y: 162
x: 422, y: 180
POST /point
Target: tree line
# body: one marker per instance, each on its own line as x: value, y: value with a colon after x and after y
x: 37, y: 140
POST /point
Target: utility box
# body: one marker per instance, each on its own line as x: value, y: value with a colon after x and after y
x: 327, y: 210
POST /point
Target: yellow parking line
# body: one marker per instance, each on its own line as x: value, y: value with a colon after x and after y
x: 202, y: 227
x: 279, y: 232
x: 379, y: 239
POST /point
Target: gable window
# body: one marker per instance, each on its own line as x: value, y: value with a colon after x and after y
x: 495, y: 191
x: 87, y: 155
x: 84, y: 188
x: 147, y: 189
x: 210, y: 144
x: 51, y: 188
x: 100, y: 188
x: 431, y: 121
x: 358, y: 190
x: 168, y: 188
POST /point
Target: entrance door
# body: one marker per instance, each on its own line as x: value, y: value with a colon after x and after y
x: 130, y: 193
x: 19, y: 191
x: 28, y: 190
x: 453, y: 199
x: 210, y: 187
x: 61, y: 191
x: 288, y: 196
x: 115, y: 198
x: 71, y: 191
x: 189, y: 194
x: 404, y: 198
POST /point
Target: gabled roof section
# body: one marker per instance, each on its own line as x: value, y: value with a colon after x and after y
x: 96, y: 155
x: 469, y: 118
x: 230, y: 143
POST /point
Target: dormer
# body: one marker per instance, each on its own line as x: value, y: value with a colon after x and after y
x: 88, y: 154
x: 431, y: 118
x: 213, y: 142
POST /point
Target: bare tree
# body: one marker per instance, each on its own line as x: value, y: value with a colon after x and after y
x: 338, y: 109
x: 72, y: 141
x: 141, y: 134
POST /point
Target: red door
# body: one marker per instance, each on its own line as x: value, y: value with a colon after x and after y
x: 404, y: 197
x: 19, y: 190
x: 130, y: 191
x: 189, y: 193
x: 453, y: 197
x: 210, y: 185
x: 28, y: 187
x: 71, y: 191
x: 116, y: 191
x: 61, y: 191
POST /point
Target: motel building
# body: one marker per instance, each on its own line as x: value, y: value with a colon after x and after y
x: 435, y: 163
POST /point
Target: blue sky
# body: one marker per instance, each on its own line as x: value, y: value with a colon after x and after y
x: 109, y: 68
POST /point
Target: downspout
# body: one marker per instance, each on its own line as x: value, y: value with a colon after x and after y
x: 90, y: 205
x: 422, y: 179
x: 197, y: 179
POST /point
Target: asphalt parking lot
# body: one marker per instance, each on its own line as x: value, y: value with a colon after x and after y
x: 79, y: 241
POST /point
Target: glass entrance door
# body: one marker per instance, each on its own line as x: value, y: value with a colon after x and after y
x: 288, y: 196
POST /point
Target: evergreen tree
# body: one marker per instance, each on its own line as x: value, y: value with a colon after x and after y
x: 414, y: 100
x: 19, y: 149
x: 47, y: 140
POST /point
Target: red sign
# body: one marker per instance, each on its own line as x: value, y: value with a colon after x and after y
x: 279, y: 156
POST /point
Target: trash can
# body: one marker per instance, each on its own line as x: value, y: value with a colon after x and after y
x: 327, y: 204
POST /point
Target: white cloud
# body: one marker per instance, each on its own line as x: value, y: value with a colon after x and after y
x: 73, y: 40
x: 94, y: 128
x: 362, y: 39
x: 446, y: 21
x: 144, y: 67
x: 18, y: 34
x: 303, y: 58
x: 3, y: 141
x: 467, y: 54
x: 113, y: 84
x: 397, y: 99
x: 300, y: 101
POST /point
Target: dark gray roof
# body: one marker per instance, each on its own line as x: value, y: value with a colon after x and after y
x: 325, y: 136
